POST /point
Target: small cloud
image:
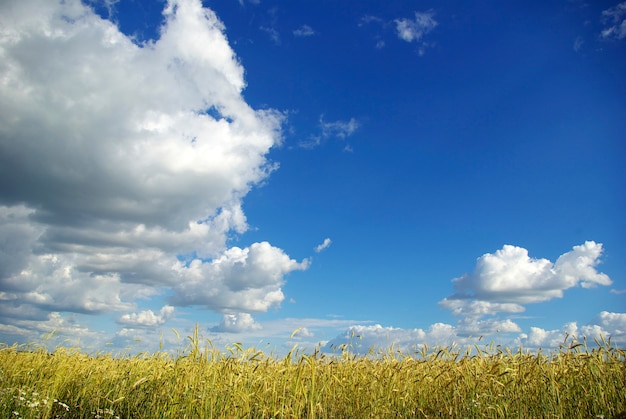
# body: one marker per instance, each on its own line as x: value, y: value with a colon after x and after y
x: 327, y: 242
x: 340, y: 129
x: 303, y: 31
x: 301, y: 333
x: 273, y: 34
x: 367, y: 19
x: 578, y: 43
x: 147, y: 318
x: 335, y: 129
x: 617, y: 292
x: 414, y: 30
x: 616, y: 18
x: 236, y: 323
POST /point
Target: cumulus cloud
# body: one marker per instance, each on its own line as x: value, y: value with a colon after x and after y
x: 613, y: 323
x: 147, y: 318
x: 240, y: 280
x: 359, y: 339
x: 506, y: 280
x: 237, y: 323
x: 325, y: 244
x: 123, y: 166
x: 604, y: 326
x: 615, y: 17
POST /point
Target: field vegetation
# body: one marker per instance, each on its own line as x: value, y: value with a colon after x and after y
x: 202, y: 382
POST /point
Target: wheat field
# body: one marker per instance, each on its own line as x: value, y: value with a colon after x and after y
x: 202, y: 382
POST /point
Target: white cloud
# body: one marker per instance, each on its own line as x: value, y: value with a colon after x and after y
x: 339, y: 129
x: 359, y: 339
x: 304, y: 31
x: 477, y: 308
x: 335, y: 129
x: 325, y: 244
x: 616, y: 18
x: 506, y: 280
x: 237, y: 323
x: 540, y: 338
x: 118, y: 159
x: 367, y: 19
x: 578, y: 44
x: 613, y: 323
x: 604, y: 326
x: 272, y: 32
x: 302, y: 333
x: 488, y: 327
x: 241, y: 280
x: 147, y: 318
x: 414, y: 30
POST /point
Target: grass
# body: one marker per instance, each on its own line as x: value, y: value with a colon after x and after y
x: 575, y: 382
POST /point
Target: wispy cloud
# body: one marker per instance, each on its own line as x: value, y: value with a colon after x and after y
x: 304, y: 31
x: 406, y: 29
x: 578, y: 43
x: 272, y: 32
x: 414, y: 30
x: 615, y: 18
x: 340, y: 129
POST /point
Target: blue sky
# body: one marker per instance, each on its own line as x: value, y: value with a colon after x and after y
x: 407, y: 172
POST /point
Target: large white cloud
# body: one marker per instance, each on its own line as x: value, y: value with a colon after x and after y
x: 118, y: 160
x: 506, y: 280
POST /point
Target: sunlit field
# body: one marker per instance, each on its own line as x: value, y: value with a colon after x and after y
x: 202, y: 382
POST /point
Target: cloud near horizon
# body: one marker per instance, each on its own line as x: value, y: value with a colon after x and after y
x: 123, y: 168
x: 503, y: 282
